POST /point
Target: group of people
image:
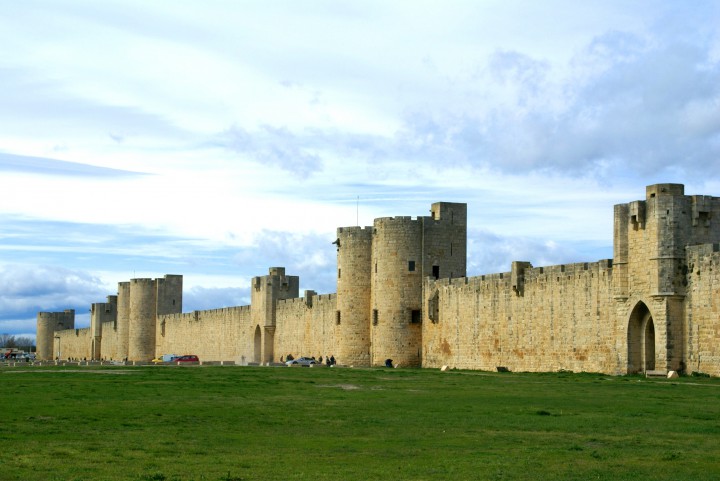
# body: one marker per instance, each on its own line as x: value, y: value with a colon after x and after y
x: 329, y: 361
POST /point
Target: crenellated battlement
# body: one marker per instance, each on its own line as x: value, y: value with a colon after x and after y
x: 403, y: 294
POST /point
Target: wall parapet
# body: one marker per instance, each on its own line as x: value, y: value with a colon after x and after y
x: 197, y: 315
x: 703, y: 249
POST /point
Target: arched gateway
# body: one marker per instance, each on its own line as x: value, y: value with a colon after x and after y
x: 641, y: 340
x: 258, y: 345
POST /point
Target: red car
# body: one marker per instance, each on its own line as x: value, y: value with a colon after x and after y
x: 186, y: 358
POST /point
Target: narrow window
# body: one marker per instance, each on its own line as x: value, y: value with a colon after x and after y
x: 338, y: 273
x: 415, y: 317
x: 376, y: 268
x: 411, y: 266
x: 451, y: 249
x: 433, y: 310
x: 436, y: 272
x: 375, y: 317
x: 337, y: 317
x: 704, y: 219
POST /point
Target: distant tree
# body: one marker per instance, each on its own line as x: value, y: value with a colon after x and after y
x: 19, y: 342
x: 7, y: 340
x: 25, y: 343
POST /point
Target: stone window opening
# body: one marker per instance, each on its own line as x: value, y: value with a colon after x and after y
x: 704, y: 219
x: 337, y: 318
x: 375, y: 317
x: 434, y: 308
x: 411, y: 266
x: 338, y: 273
x: 415, y: 316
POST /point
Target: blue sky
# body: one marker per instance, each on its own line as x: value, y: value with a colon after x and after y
x: 215, y: 139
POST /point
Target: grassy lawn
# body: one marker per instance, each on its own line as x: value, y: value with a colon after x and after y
x: 243, y: 423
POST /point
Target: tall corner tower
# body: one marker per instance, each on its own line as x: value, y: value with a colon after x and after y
x: 123, y: 320
x: 141, y: 326
x: 150, y: 298
x: 445, y: 241
x: 169, y: 294
x: 404, y: 252
x: 48, y: 323
x: 354, y: 260
x: 396, y: 291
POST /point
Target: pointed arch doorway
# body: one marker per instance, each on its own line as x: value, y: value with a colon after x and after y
x: 641, y: 340
x: 257, y: 353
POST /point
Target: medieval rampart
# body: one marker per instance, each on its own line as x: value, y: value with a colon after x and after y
x: 306, y: 326
x: 73, y: 343
x: 702, y: 329
x: 213, y: 335
x: 111, y: 347
x: 403, y: 294
x: 558, y: 318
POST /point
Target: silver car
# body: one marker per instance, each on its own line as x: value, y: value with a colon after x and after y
x: 301, y: 361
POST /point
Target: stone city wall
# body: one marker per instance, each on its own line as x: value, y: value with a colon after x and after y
x: 214, y: 335
x: 306, y: 328
x: 702, y: 305
x: 559, y: 318
x: 73, y: 344
x: 111, y: 346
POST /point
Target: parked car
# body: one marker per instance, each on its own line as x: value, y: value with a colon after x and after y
x: 165, y: 358
x: 186, y: 358
x: 301, y: 361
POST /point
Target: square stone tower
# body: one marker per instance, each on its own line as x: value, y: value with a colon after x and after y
x: 650, y: 268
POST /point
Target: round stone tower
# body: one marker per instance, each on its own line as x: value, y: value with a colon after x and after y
x: 47, y: 324
x: 123, y: 319
x: 396, y: 299
x: 141, y: 332
x: 352, y: 319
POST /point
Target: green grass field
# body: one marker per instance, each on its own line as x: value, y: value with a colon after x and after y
x: 243, y: 423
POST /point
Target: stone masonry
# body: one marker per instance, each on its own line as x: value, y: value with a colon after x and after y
x: 403, y: 294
